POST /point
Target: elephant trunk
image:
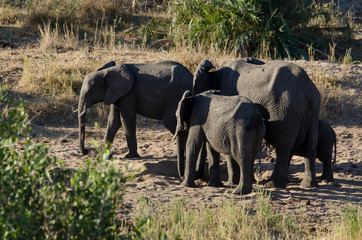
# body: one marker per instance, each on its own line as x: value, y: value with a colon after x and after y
x: 181, y: 145
x: 201, y: 82
x: 81, y: 122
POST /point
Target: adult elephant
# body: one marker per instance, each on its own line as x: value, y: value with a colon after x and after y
x: 152, y: 90
x: 287, y: 99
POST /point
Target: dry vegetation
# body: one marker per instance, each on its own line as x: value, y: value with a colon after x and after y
x: 47, y: 49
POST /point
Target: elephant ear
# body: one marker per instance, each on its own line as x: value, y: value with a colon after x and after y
x: 118, y: 82
x: 107, y: 65
x: 201, y: 81
x: 180, y: 113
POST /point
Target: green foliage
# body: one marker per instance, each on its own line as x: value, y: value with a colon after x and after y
x: 264, y: 28
x: 40, y: 198
x: 348, y: 225
x: 155, y: 29
x: 351, y: 222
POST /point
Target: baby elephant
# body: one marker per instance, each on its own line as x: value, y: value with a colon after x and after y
x: 326, y: 140
x: 229, y: 125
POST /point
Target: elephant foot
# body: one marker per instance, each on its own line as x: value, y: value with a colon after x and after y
x: 198, y: 175
x: 274, y: 183
x: 84, y: 151
x: 132, y: 155
x: 328, y: 178
x: 242, y: 190
x: 307, y: 183
x: 253, y: 179
x: 188, y: 183
x: 231, y: 182
x: 215, y: 183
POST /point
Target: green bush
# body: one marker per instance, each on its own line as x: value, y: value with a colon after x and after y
x: 39, y: 198
x: 264, y: 28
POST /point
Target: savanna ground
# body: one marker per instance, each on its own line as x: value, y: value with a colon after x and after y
x: 23, y: 58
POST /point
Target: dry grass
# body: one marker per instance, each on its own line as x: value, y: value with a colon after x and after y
x: 332, y: 95
x: 57, y: 67
x: 253, y: 219
x: 10, y: 16
x: 227, y: 220
x: 54, y: 39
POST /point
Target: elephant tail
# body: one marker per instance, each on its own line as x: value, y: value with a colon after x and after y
x: 335, y: 153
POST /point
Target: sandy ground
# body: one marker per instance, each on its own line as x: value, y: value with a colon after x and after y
x: 158, y: 180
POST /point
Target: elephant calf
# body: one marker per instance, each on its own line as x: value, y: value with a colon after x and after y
x: 229, y: 125
x: 326, y: 140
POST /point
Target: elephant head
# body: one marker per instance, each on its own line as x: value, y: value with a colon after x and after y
x: 107, y: 84
x: 180, y: 113
x: 182, y: 117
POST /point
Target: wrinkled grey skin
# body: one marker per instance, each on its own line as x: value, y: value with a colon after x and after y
x: 326, y: 140
x: 229, y: 125
x: 287, y: 99
x: 152, y: 90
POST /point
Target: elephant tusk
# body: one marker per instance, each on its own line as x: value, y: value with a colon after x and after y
x: 174, y: 137
x: 82, y: 113
x: 75, y: 111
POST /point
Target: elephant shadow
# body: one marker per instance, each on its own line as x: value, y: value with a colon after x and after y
x: 163, y: 166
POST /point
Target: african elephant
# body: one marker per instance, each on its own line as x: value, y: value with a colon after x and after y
x: 152, y: 90
x: 326, y: 140
x: 227, y: 124
x: 287, y: 99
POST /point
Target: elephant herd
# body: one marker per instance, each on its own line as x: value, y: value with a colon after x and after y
x: 229, y: 111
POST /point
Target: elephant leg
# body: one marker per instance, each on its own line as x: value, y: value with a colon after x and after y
x: 326, y: 159
x: 279, y: 176
x: 214, y: 167
x: 283, y: 137
x: 114, y: 123
x: 128, y: 120
x: 193, y: 146
x: 233, y: 171
x: 246, y: 170
x: 201, y: 160
x: 290, y: 159
x: 310, y: 180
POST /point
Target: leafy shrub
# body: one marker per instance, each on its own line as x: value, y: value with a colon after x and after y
x: 39, y: 198
x: 264, y: 28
